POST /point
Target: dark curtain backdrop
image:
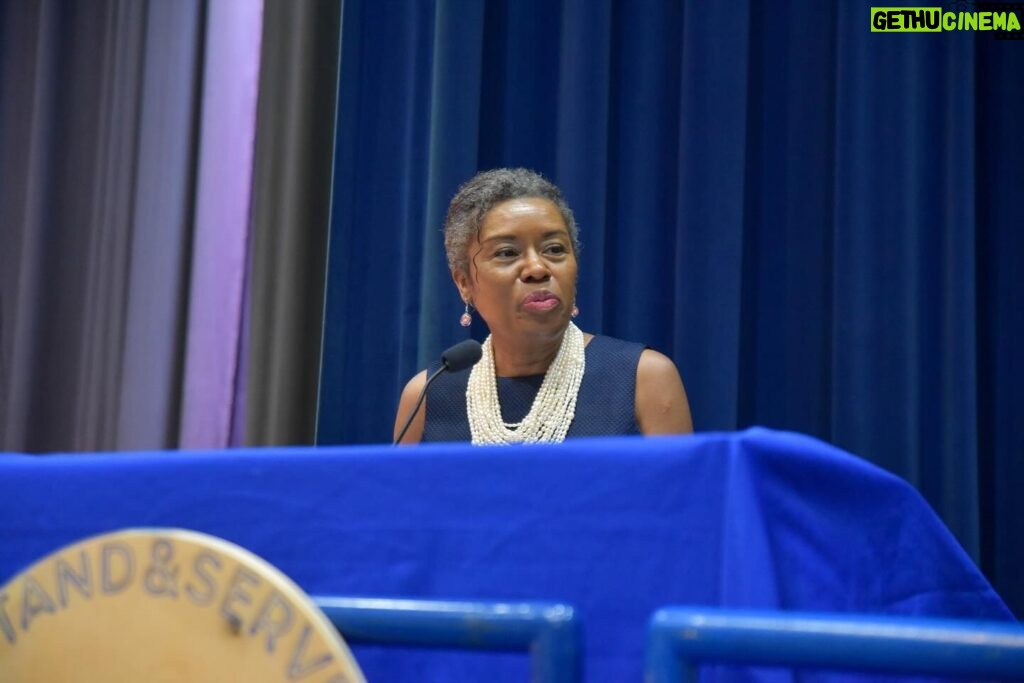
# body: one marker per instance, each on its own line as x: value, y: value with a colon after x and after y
x: 821, y: 225
x: 290, y: 214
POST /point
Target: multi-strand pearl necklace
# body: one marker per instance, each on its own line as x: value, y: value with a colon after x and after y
x: 553, y: 408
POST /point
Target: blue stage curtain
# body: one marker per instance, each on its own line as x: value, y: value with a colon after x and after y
x: 820, y: 224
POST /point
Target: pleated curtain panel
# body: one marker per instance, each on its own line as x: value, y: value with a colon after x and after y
x: 127, y: 155
x: 164, y: 205
x: 816, y: 222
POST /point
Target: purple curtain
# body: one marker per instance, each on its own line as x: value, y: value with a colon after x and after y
x: 126, y: 133
x: 213, y: 371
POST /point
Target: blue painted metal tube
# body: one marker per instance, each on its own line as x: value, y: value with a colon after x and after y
x: 680, y: 639
x: 548, y: 631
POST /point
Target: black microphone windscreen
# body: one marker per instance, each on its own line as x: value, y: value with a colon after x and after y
x: 462, y: 355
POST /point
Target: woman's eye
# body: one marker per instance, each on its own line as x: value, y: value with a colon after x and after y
x: 557, y: 249
x: 505, y: 252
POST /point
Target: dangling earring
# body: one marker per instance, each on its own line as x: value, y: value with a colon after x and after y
x: 466, y: 320
x: 575, y: 310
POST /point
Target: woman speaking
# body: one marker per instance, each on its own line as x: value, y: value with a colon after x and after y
x: 512, y: 242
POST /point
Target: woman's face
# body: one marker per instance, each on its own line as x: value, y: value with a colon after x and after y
x: 522, y: 270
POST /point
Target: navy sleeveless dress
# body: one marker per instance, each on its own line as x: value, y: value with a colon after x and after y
x: 605, y: 405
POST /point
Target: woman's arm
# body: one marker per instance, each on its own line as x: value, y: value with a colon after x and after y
x: 661, y: 405
x: 405, y: 405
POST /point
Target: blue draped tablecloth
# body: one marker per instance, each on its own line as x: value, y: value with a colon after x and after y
x: 617, y: 527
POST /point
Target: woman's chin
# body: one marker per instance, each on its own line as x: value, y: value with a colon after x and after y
x: 552, y: 322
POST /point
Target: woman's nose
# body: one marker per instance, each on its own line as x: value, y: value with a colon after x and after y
x: 534, y: 268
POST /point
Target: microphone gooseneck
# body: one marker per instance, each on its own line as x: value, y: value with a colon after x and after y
x: 456, y: 358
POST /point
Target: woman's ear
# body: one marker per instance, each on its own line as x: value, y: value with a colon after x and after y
x: 462, y: 281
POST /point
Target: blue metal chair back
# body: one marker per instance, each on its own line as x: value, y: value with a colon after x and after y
x: 548, y: 631
x: 681, y: 639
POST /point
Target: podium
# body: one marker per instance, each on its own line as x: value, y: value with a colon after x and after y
x: 615, y: 527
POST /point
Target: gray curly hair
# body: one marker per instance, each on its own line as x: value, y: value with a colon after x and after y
x: 483, y: 192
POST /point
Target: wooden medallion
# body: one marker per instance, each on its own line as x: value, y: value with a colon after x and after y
x: 162, y: 605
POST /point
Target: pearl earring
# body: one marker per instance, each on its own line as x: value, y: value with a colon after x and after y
x: 466, y: 320
x: 575, y: 310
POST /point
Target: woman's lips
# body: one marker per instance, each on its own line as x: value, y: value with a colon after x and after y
x: 540, y: 302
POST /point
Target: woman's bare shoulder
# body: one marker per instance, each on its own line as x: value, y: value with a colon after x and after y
x: 410, y: 394
x: 661, y: 403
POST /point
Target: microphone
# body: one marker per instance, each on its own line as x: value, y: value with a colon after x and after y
x: 463, y: 355
x: 456, y: 358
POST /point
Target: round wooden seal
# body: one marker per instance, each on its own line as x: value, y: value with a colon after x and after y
x: 164, y: 605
